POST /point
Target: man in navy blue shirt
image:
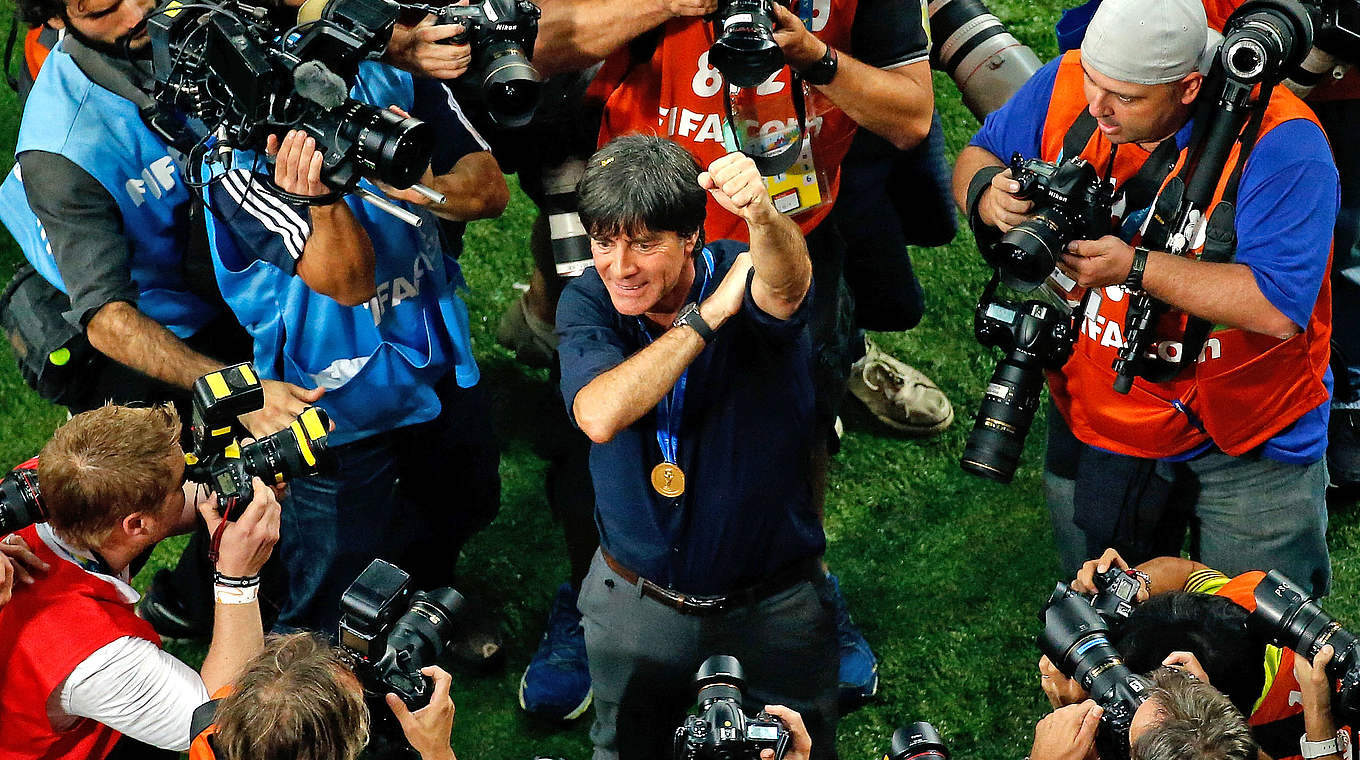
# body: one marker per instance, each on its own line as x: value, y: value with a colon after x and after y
x: 690, y: 368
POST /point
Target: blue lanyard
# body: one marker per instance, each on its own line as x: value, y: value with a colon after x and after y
x: 668, y: 412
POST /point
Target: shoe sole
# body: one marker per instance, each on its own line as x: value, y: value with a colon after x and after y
x: 914, y: 431
x: 580, y: 709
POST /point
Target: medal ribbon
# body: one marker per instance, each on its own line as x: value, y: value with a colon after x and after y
x: 672, y: 405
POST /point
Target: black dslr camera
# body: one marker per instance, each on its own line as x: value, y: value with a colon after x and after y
x: 230, y: 69
x: 21, y: 502
x: 218, y: 459
x: 1116, y: 594
x: 721, y: 730
x: 918, y: 741
x: 1076, y: 639
x: 1035, y: 336
x: 1072, y: 203
x: 1288, y: 618
x: 502, y: 34
x: 744, y: 49
x: 393, y: 633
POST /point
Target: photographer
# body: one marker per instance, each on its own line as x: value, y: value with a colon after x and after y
x: 1182, y: 719
x: 299, y: 699
x: 343, y: 296
x: 82, y: 672
x: 1191, y: 616
x: 1131, y: 470
x: 709, y: 541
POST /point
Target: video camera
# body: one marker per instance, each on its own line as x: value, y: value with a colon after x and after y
x: 1076, y: 639
x: 1289, y: 618
x: 721, y: 730
x: 502, y: 34
x: 21, y: 503
x: 393, y: 633
x: 235, y: 74
x: 218, y: 459
x: 1035, y: 336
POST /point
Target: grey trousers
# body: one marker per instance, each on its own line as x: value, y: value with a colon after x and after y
x: 643, y: 656
x: 1245, y: 514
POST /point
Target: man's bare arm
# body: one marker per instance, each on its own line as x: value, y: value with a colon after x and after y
x: 122, y: 333
x: 576, y: 34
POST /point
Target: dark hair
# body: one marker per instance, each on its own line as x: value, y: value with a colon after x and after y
x: 295, y: 700
x: 641, y: 182
x: 1213, y: 628
x: 1195, y: 722
x: 37, y: 12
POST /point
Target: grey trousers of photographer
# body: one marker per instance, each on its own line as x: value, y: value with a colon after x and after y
x: 643, y: 656
x: 1244, y: 513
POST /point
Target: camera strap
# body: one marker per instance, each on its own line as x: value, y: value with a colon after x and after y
x: 770, y: 164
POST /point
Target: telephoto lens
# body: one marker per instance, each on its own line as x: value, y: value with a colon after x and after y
x: 986, y: 62
x: 745, y: 51
x: 299, y: 450
x: 917, y: 741
x: 21, y: 503
x: 1289, y: 618
x: 1075, y: 638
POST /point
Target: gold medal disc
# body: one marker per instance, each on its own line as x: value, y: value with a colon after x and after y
x: 668, y: 480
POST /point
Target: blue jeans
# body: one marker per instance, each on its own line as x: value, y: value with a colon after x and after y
x: 1244, y: 513
x: 412, y: 496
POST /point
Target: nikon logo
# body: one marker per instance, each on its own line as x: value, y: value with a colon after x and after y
x: 157, y: 179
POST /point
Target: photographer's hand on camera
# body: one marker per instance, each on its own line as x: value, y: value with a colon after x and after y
x: 1316, y: 685
x: 429, y: 728
x: 283, y: 402
x: 1085, y: 582
x: 999, y: 207
x: 1187, y: 662
x: 1060, y: 690
x: 1097, y: 263
x: 800, y: 742
x: 1068, y: 733
x: 427, y: 49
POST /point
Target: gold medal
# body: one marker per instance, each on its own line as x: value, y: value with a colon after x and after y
x: 668, y: 480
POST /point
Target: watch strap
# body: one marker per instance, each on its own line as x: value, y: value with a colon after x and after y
x: 1135, y: 279
x: 1314, y: 750
x: 690, y: 316
x: 823, y: 70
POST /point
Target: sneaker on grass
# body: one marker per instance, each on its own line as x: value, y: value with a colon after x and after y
x: 556, y: 685
x: 859, y: 667
x: 899, y: 395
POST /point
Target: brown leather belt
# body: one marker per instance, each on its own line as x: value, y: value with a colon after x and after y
x: 693, y: 604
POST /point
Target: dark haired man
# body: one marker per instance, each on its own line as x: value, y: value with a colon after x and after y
x: 690, y: 367
x: 81, y: 670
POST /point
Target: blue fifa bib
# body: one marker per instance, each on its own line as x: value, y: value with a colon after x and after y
x: 378, y: 361
x: 103, y: 134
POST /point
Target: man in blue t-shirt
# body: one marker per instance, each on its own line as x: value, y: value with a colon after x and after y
x: 1234, y: 443
x: 345, y: 297
x: 690, y: 368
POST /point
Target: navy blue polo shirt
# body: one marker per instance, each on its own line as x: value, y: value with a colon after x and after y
x: 745, y: 439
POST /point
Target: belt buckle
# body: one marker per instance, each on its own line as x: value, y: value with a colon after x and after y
x: 703, y: 605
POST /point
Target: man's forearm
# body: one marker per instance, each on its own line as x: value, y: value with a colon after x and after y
x: 122, y: 333
x: 1224, y: 294
x: 474, y: 189
x: 1169, y: 573
x: 576, y: 34
x: 337, y: 259
x: 238, y: 635
x: 895, y: 104
x: 783, y: 270
x: 618, y: 398
x: 971, y: 159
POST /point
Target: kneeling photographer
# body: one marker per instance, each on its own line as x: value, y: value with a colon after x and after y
x: 1198, y: 383
x: 1212, y: 625
x: 1181, y: 718
x: 84, y: 675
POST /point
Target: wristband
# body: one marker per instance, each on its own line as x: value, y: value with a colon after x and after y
x: 230, y: 581
x: 1314, y: 750
x: 1135, y: 279
x: 236, y: 594
x: 985, y: 234
x: 823, y: 70
x: 1145, y: 578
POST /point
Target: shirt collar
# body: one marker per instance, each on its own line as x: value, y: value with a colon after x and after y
x: 88, y: 562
